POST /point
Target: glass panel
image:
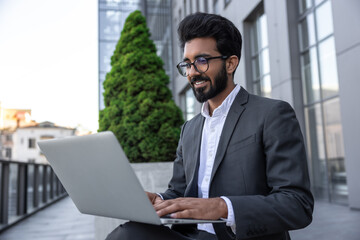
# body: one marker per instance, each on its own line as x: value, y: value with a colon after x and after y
x: 48, y: 183
x: 324, y: 20
x: 1, y: 166
x: 190, y: 104
x: 257, y: 88
x: 30, y: 189
x: 316, y: 149
x: 328, y: 69
x: 266, y: 86
x: 254, y: 39
x: 335, y: 150
x: 256, y: 69
x: 317, y: 2
x: 307, y: 32
x: 310, y: 76
x: 13, y: 192
x: 265, y: 61
x: 40, y: 179
x: 106, y: 51
x: 110, y: 25
x: 304, y: 4
x: 263, y: 31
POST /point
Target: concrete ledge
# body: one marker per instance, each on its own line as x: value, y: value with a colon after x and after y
x: 154, y: 177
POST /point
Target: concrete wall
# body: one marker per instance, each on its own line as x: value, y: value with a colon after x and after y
x: 347, y: 42
x: 154, y: 177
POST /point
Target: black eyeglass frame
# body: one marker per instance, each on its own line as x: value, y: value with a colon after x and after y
x: 193, y: 63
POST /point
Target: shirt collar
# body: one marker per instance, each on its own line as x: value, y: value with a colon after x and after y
x: 224, y: 108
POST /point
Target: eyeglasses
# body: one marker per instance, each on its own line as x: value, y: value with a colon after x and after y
x: 201, y: 65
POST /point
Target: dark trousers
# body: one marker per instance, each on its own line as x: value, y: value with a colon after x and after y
x: 142, y: 231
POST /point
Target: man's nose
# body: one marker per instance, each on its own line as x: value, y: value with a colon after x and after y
x: 192, y: 71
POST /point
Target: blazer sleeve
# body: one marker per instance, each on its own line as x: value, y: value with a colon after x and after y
x: 289, y: 204
x: 177, y: 184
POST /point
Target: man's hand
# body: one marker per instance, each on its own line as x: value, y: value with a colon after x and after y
x: 154, y: 198
x: 197, y: 208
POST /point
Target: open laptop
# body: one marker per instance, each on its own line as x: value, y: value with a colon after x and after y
x: 99, y: 179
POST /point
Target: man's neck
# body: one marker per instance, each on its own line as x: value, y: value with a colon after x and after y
x: 218, y: 99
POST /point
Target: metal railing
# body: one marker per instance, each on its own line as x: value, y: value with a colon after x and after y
x: 26, y: 188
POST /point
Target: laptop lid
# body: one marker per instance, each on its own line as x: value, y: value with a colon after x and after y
x: 98, y: 177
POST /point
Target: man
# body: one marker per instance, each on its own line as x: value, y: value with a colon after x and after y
x: 242, y: 159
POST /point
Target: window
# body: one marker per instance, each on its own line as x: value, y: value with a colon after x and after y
x: 226, y: 2
x: 206, y: 9
x: 31, y: 160
x: 216, y: 7
x: 188, y: 104
x: 32, y: 142
x: 8, y: 153
x: 321, y: 100
x: 260, y: 62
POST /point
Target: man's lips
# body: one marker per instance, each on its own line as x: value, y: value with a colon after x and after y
x: 198, y: 82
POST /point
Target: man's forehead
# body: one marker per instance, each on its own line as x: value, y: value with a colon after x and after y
x: 199, y: 47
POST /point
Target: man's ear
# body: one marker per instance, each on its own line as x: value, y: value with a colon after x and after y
x: 231, y: 64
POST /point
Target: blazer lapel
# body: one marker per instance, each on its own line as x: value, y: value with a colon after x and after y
x: 192, y: 190
x: 232, y: 119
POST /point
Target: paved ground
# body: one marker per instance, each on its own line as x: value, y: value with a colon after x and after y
x: 62, y: 221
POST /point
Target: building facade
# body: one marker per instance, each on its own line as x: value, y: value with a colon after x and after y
x: 25, y: 140
x: 303, y: 52
x: 112, y: 16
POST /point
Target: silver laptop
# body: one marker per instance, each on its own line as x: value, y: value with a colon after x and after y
x: 99, y: 179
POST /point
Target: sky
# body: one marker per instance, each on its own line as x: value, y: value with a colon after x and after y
x: 49, y: 60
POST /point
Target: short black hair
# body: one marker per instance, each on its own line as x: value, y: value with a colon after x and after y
x: 228, y: 37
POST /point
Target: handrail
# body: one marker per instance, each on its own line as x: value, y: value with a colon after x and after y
x: 26, y: 188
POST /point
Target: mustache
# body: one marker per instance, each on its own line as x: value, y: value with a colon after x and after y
x: 199, y: 78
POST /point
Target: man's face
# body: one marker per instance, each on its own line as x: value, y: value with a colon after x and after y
x: 209, y: 84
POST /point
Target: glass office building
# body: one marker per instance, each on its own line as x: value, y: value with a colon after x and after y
x: 112, y: 16
x: 306, y: 53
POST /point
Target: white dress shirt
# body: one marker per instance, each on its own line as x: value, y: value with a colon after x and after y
x: 209, y: 143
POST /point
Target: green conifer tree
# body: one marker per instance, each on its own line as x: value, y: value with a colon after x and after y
x: 139, y: 108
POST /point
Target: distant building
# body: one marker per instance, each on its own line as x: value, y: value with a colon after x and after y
x: 10, y: 119
x: 25, y: 140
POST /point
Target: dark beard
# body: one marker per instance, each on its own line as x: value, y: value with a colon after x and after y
x: 220, y: 83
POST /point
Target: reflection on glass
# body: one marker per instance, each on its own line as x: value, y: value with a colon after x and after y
x: 257, y: 88
x: 335, y: 148
x: 1, y: 166
x: 328, y: 68
x: 260, y: 62
x: 307, y: 32
x: 190, y: 104
x: 324, y: 20
x: 263, y: 31
x: 265, y: 62
x: 310, y: 75
x: 106, y: 51
x: 254, y: 39
x: 316, y: 148
x: 266, y: 86
x: 303, y: 5
x: 30, y: 188
x: 12, y: 192
x: 256, y: 68
x: 110, y: 23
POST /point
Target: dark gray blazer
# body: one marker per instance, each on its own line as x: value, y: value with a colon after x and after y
x: 260, y: 165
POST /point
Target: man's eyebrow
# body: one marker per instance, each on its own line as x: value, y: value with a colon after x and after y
x: 197, y: 56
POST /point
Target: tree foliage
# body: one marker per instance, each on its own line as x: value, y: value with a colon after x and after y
x: 139, y: 108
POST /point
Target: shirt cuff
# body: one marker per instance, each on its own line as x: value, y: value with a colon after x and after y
x: 230, y: 221
x: 160, y: 196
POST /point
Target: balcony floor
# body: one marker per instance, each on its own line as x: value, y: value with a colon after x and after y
x: 62, y: 221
